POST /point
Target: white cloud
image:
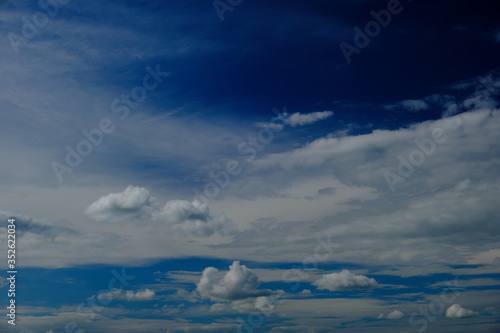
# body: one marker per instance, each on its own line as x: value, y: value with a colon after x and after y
x: 261, y: 304
x: 132, y: 203
x: 296, y: 119
x: 181, y: 216
x: 301, y: 119
x: 345, y: 280
x: 395, y: 314
x: 141, y: 295
x: 50, y: 331
x: 183, y: 294
x: 192, y: 219
x: 238, y: 283
x: 457, y: 311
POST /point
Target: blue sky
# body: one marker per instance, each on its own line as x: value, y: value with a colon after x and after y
x: 227, y: 166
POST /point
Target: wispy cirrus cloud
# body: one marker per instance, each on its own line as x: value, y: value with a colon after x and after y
x: 412, y: 105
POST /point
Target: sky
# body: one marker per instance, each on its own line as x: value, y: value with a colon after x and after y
x: 251, y: 166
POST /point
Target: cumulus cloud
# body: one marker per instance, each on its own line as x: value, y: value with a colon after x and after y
x: 457, y: 311
x: 181, y: 216
x: 345, y: 280
x: 395, y: 314
x: 193, y: 219
x: 132, y: 203
x: 141, y: 295
x: 238, y: 283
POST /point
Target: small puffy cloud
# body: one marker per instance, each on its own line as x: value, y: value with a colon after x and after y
x: 141, y: 295
x: 238, y: 283
x: 396, y: 314
x: 412, y: 105
x: 345, y: 280
x: 193, y: 219
x: 457, y: 311
x: 50, y: 331
x: 181, y: 216
x: 132, y: 203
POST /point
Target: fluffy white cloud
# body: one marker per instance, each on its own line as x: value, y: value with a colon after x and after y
x: 133, y: 203
x: 238, y: 283
x: 345, y: 280
x: 395, y: 314
x: 181, y: 216
x: 129, y: 295
x: 457, y: 311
